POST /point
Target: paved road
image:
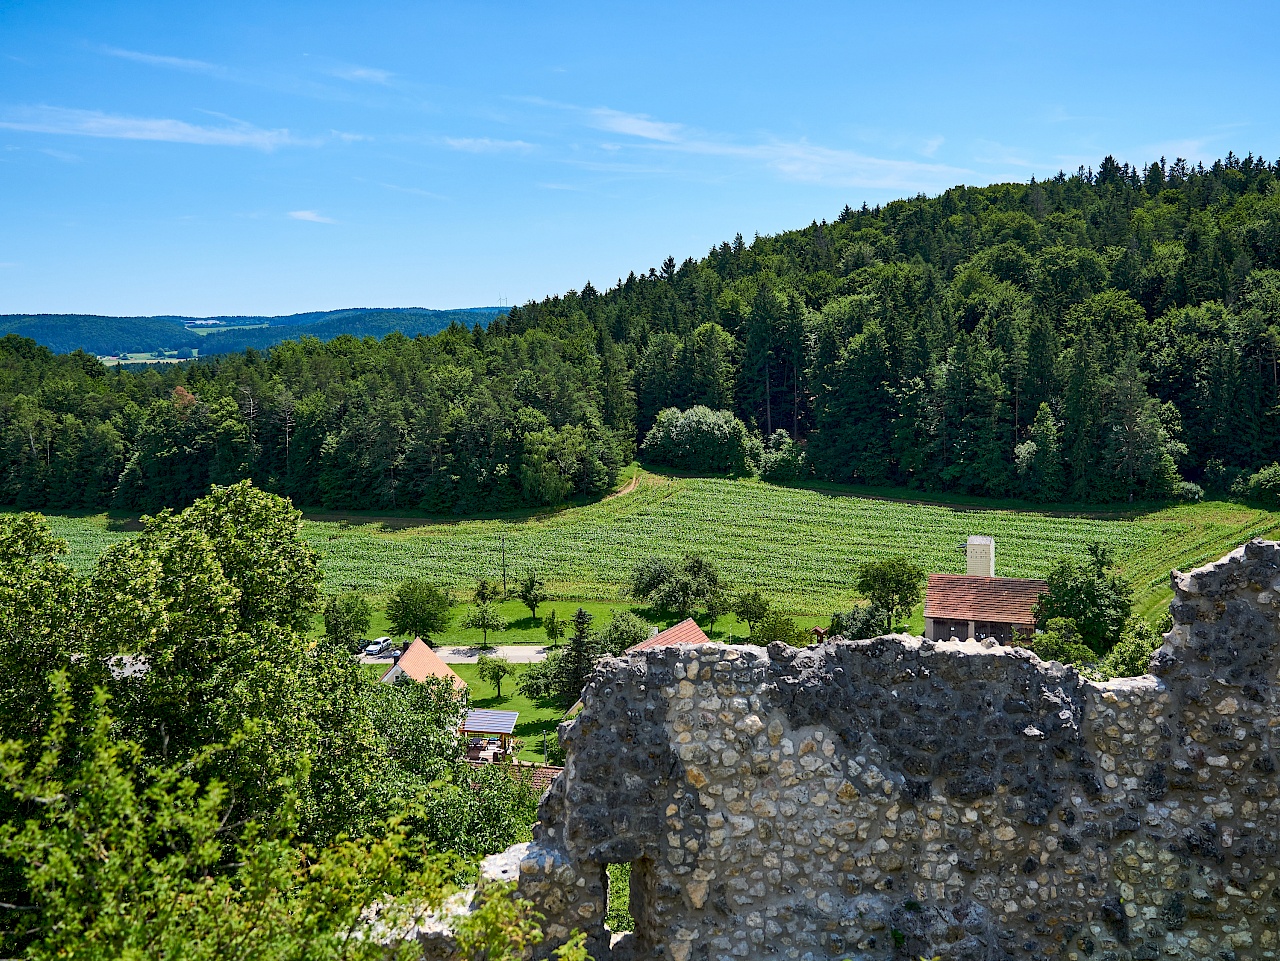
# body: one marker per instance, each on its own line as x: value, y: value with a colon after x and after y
x: 515, y: 653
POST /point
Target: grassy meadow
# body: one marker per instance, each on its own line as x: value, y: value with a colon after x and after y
x: 800, y: 546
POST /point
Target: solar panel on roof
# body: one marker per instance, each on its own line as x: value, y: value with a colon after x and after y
x: 490, y: 722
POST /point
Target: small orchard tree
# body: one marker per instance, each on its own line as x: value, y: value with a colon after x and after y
x: 553, y: 627
x: 487, y: 591
x: 717, y: 606
x: 751, y: 606
x: 532, y: 592
x: 419, y: 609
x: 493, y: 669
x: 346, y: 617
x: 861, y: 622
x: 894, y: 584
x: 485, y: 617
x: 623, y: 631
x: 680, y: 586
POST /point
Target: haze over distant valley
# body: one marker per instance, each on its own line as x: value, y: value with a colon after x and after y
x: 184, y: 337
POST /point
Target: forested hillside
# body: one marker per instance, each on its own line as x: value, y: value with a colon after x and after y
x: 64, y: 333
x: 1097, y: 337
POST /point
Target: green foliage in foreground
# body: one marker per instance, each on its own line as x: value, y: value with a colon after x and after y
x: 1129, y: 657
x: 123, y: 861
x: 166, y: 722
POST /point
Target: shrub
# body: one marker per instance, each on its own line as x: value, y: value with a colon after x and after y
x: 701, y: 439
x: 1131, y: 657
x: 1264, y: 487
x: 861, y: 622
x: 776, y: 626
x: 1187, y: 491
x: 783, y: 459
x: 1060, y: 641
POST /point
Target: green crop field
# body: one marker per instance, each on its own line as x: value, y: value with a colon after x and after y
x: 800, y: 546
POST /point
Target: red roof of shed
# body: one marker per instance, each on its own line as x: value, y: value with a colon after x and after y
x: 686, y: 632
x: 1002, y: 600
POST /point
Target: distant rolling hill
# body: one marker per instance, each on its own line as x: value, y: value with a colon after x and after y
x: 63, y: 333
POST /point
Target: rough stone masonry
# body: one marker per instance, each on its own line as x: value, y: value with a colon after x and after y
x: 895, y: 797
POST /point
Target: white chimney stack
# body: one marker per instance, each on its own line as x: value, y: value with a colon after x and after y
x: 980, y: 556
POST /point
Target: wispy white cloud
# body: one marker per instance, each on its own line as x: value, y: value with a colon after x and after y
x: 416, y: 191
x: 931, y: 146
x: 795, y: 160
x: 172, y: 63
x: 487, y: 145
x: 1000, y: 155
x: 363, y: 74
x: 635, y: 125
x: 62, y: 155
x: 311, y: 217
x: 93, y: 123
x: 805, y: 162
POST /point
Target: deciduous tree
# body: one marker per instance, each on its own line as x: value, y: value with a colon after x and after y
x: 894, y: 584
x: 419, y: 609
x: 493, y: 669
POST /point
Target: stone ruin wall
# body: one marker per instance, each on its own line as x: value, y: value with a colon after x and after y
x: 896, y: 797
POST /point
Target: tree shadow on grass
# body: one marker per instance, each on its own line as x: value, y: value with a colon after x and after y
x: 656, y: 615
x: 527, y: 729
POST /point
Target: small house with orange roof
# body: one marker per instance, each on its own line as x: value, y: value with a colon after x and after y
x: 686, y: 632
x: 420, y: 662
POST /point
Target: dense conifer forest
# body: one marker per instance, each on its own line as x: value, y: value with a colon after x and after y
x: 1104, y: 336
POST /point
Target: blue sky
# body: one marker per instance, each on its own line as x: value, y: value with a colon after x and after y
x: 271, y: 158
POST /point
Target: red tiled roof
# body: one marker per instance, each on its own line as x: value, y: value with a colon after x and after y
x: 540, y: 775
x: 420, y: 662
x: 1002, y: 600
x: 686, y: 632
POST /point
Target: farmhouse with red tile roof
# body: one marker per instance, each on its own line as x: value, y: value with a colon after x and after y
x: 978, y: 604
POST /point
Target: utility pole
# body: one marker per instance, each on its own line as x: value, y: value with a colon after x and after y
x: 502, y: 539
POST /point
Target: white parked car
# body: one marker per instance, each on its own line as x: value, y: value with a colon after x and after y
x: 377, y: 646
